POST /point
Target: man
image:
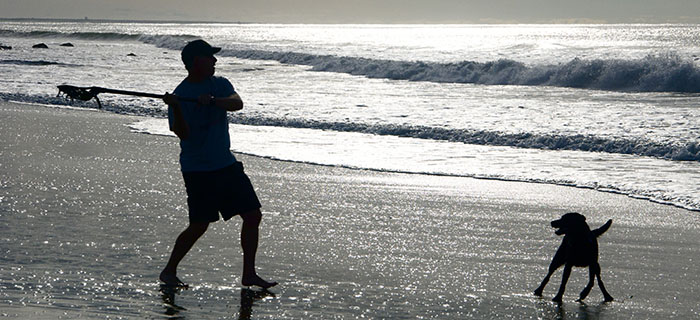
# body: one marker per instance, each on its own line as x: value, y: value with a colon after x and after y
x: 214, y: 180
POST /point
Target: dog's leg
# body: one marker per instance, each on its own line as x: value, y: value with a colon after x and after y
x: 606, y: 295
x: 538, y: 291
x: 557, y: 262
x: 564, y: 279
x: 552, y: 268
x: 589, y: 286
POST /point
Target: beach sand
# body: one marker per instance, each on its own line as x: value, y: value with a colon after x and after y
x: 89, y: 212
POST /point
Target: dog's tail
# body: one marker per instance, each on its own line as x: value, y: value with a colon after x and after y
x: 598, y: 232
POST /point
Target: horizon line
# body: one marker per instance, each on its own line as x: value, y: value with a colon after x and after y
x: 493, y: 22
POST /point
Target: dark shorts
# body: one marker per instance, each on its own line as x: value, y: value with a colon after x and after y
x: 227, y: 191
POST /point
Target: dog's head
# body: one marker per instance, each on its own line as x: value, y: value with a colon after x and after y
x: 568, y: 222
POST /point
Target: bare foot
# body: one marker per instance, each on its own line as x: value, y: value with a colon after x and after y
x: 171, y: 280
x: 255, y: 280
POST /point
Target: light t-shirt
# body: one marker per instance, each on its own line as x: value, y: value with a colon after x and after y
x: 207, y: 148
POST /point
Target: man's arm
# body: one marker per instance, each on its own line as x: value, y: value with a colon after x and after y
x: 230, y: 103
x: 180, y: 127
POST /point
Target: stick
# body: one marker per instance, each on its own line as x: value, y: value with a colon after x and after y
x: 88, y: 93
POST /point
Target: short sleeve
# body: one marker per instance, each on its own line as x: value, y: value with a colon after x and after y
x: 224, y: 88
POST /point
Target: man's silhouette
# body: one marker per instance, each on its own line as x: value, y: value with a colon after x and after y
x: 215, y: 181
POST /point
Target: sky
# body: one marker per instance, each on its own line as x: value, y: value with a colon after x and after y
x: 363, y: 11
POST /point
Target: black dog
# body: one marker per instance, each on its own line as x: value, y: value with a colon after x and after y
x: 579, y: 248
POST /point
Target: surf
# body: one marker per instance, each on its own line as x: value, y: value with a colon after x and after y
x: 658, y: 72
x: 654, y: 73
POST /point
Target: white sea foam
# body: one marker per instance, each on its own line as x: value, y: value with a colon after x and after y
x: 689, y: 151
x: 671, y: 150
x: 638, y: 177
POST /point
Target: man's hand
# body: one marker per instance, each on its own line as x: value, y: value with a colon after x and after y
x: 230, y: 103
x: 170, y: 99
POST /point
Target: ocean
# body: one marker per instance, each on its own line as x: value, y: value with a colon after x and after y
x: 611, y: 108
x: 608, y: 107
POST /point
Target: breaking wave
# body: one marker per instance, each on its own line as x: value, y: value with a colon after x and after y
x: 665, y: 73
x: 654, y: 73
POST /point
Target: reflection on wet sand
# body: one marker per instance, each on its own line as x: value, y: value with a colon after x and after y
x: 172, y: 310
x: 248, y: 298
x: 561, y: 311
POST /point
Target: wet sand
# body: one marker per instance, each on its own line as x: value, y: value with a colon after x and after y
x: 89, y: 212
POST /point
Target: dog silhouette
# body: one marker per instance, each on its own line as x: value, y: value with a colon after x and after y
x: 579, y: 248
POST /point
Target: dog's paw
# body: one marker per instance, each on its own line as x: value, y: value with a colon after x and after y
x: 538, y: 292
x: 557, y: 299
x: 609, y: 299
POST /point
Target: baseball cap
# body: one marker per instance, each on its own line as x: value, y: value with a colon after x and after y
x: 197, y: 48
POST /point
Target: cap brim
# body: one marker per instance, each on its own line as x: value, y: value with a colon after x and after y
x: 215, y: 50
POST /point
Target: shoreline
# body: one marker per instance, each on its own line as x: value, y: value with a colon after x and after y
x: 89, y: 211
x: 476, y: 177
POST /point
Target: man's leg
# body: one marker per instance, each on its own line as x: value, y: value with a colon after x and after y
x: 249, y: 242
x: 183, y: 244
